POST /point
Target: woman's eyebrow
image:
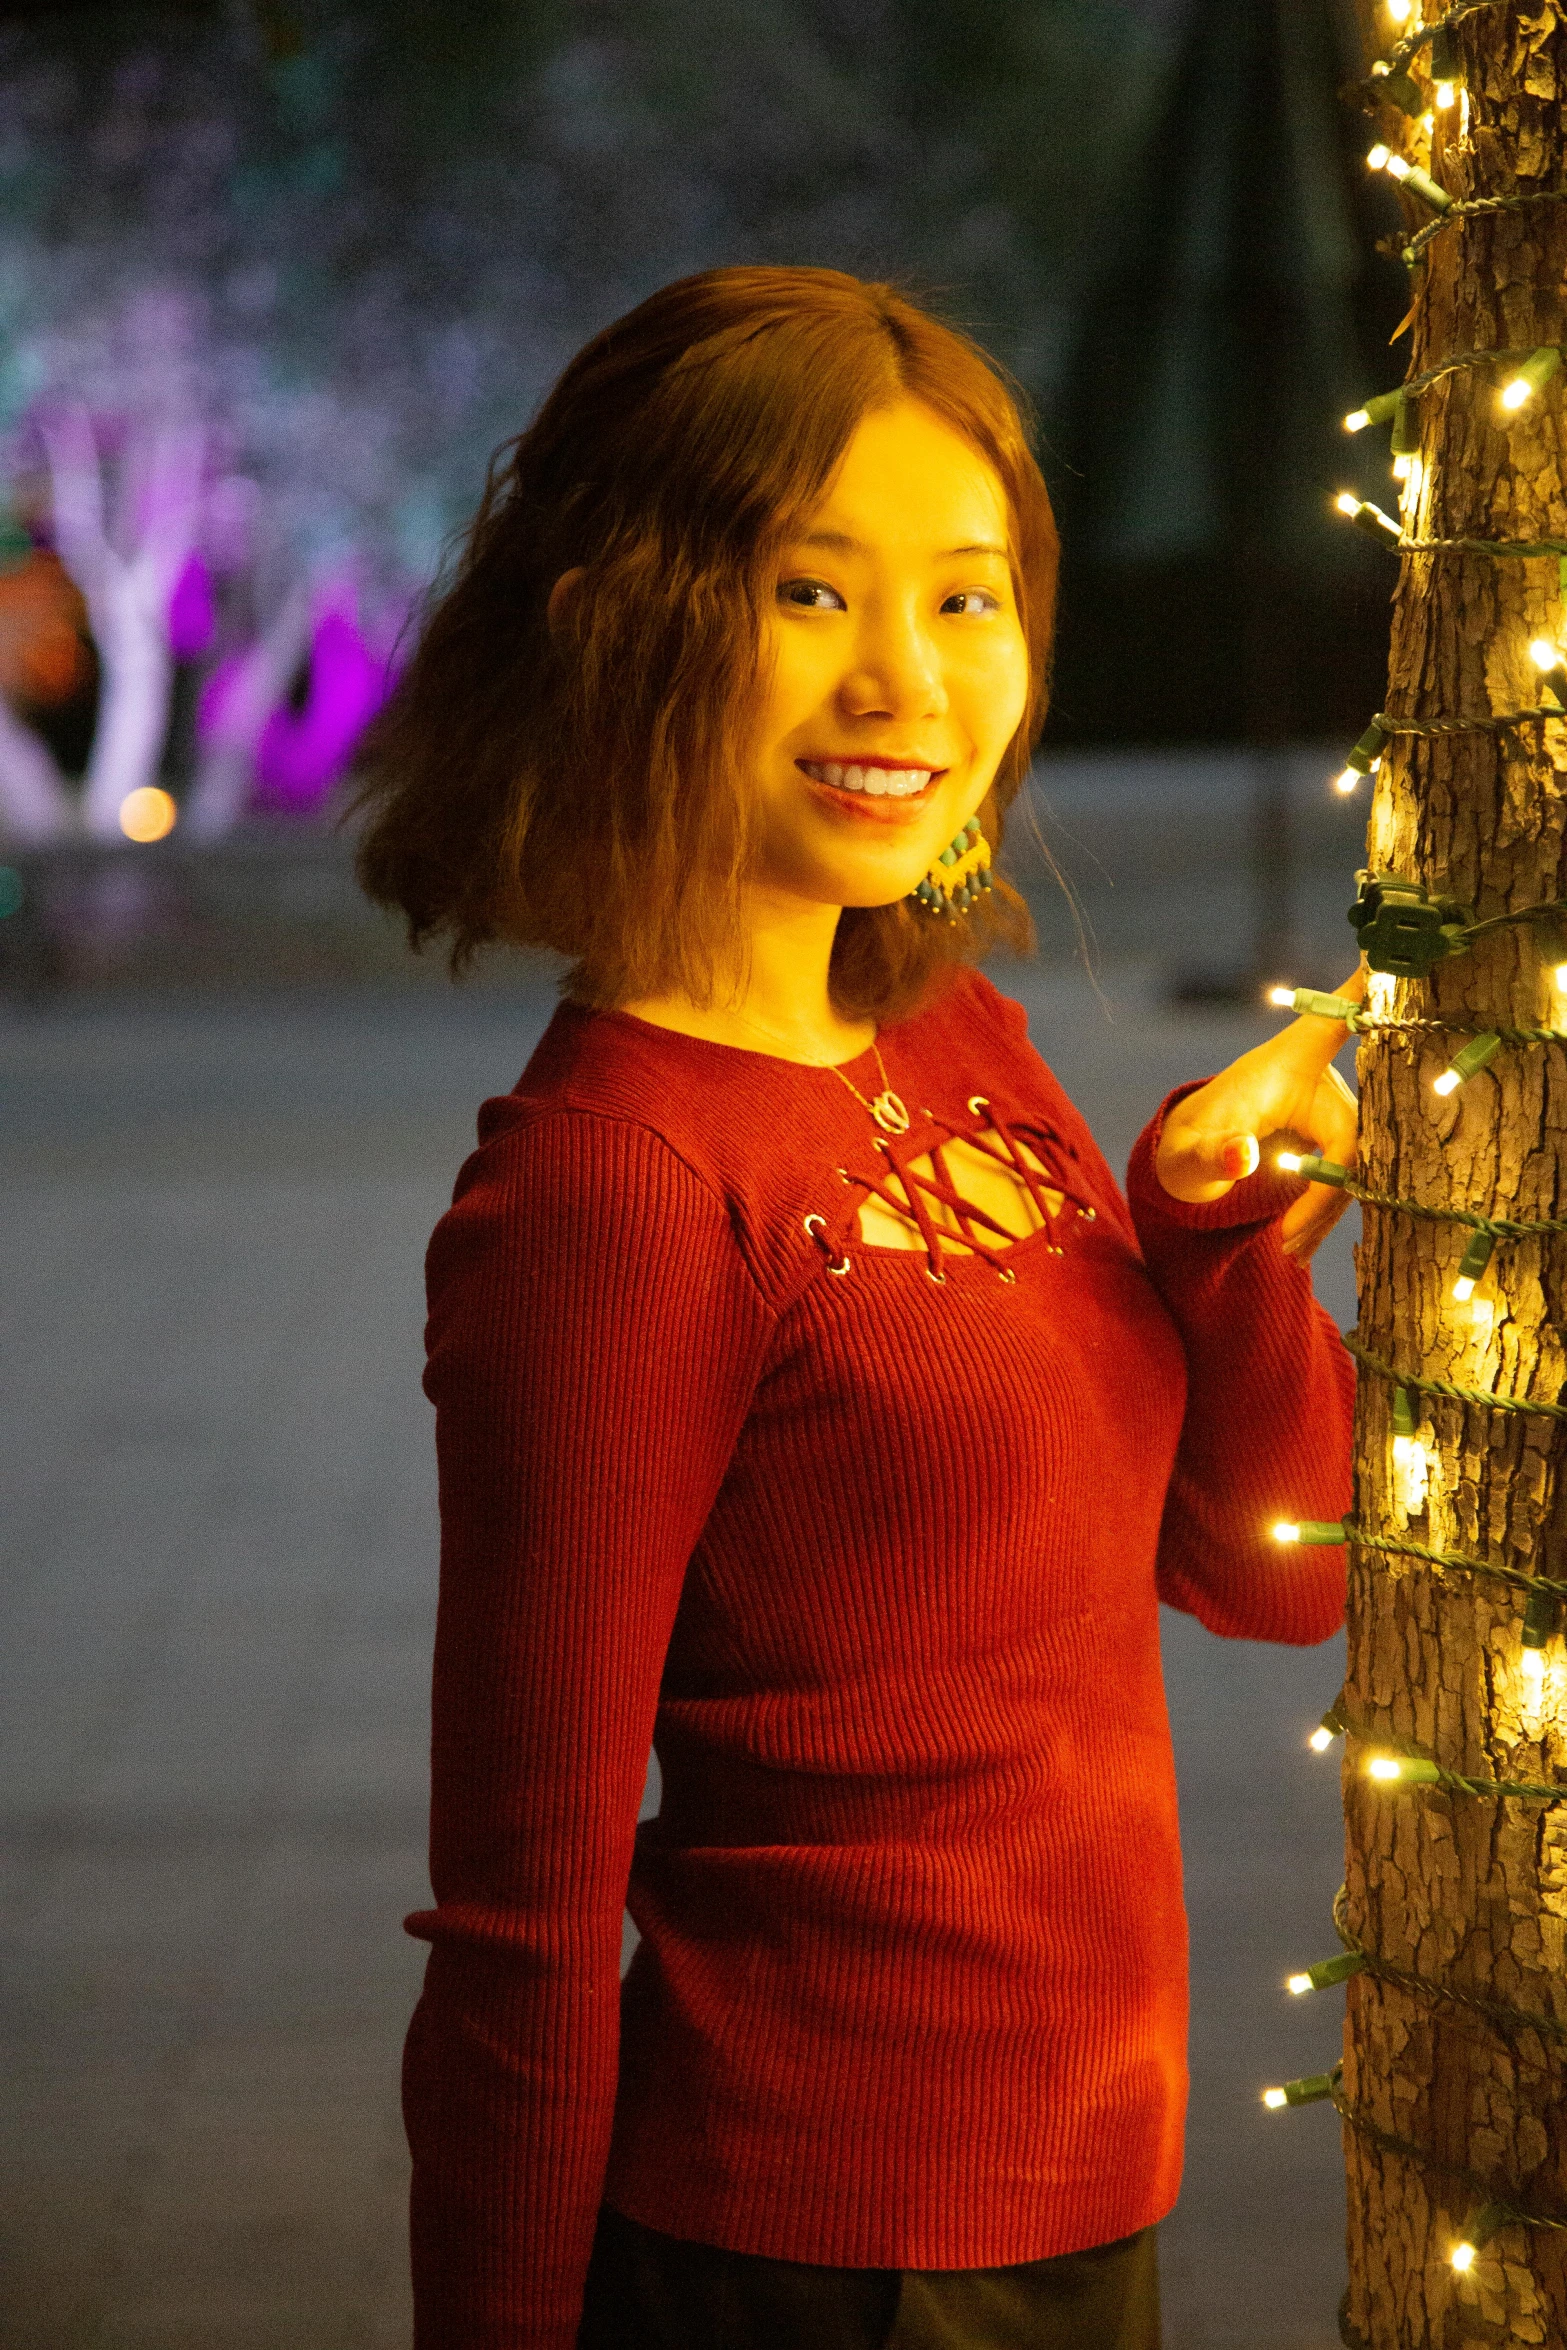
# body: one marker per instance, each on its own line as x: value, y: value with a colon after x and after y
x: 841, y: 543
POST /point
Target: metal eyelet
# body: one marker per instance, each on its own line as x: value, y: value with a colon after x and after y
x: 940, y: 1279
x: 977, y: 1102
x: 1003, y: 1273
x: 844, y: 1264
x: 1089, y: 1215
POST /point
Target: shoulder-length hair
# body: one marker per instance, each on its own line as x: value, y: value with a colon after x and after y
x: 583, y: 787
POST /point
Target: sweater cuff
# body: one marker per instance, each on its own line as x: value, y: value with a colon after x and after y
x: 1255, y: 1199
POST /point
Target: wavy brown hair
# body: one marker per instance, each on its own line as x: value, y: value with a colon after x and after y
x: 584, y: 787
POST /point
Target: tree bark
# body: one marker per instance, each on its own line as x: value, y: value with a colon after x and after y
x: 1469, y: 1892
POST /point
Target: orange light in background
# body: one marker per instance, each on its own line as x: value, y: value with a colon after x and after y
x: 148, y: 814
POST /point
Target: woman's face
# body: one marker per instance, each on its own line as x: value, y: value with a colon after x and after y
x: 894, y: 664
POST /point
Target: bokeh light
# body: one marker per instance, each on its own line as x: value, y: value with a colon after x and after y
x: 148, y: 814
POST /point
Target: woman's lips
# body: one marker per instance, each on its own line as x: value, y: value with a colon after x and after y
x: 858, y: 803
x: 893, y: 803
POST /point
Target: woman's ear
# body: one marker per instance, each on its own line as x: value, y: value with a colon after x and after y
x: 560, y: 597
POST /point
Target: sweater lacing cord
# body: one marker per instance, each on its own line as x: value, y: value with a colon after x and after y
x: 917, y: 1190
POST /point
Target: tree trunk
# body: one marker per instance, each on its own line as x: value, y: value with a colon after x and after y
x: 1466, y: 1891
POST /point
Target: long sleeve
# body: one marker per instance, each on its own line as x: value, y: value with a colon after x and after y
x: 1270, y: 1407
x: 594, y: 1339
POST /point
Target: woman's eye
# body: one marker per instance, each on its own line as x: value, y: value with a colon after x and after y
x: 973, y: 600
x: 813, y: 595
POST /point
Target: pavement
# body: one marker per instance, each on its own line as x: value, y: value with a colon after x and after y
x: 215, y: 1654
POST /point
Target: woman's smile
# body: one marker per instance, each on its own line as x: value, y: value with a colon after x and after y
x: 883, y: 790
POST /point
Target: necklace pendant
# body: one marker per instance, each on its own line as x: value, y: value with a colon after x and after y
x: 890, y: 1114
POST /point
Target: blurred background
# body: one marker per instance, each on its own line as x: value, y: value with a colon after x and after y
x: 275, y: 279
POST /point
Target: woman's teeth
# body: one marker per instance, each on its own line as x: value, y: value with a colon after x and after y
x: 897, y: 783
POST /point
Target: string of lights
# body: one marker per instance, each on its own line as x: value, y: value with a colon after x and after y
x: 1319, y: 1005
x: 1468, y: 208
x: 1405, y: 929
x: 1356, y: 1958
x: 1486, y: 1230
x: 1332, y: 1531
x: 1439, y: 29
x: 1426, y: 1385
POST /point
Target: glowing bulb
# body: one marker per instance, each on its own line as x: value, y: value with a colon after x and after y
x: 1357, y: 420
x: 1444, y: 94
x: 1321, y: 1739
x: 1397, y: 167
x: 148, y: 814
x: 1346, y: 781
x: 1286, y: 1531
x: 1411, y: 1474
x: 1289, y: 1162
x: 1402, y: 468
x: 1559, y: 978
x: 1544, y: 654
x: 1384, y: 1766
x: 1398, y: 10
x: 1535, y: 373
x: 1463, y: 2257
x: 1446, y: 1083
x: 1283, y: 997
x: 1377, y: 157
x: 1532, y: 1662
x: 1273, y: 2099
x: 1347, y: 503
x: 1298, y: 1984
x: 1428, y: 124
x: 1463, y: 1289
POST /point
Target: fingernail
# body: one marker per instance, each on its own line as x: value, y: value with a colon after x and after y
x: 1242, y: 1156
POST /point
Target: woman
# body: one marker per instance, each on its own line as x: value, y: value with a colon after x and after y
x: 808, y: 1399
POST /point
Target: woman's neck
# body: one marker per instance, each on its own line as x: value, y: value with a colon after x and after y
x: 782, y: 1004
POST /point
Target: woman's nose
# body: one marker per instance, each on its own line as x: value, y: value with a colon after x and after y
x: 896, y: 672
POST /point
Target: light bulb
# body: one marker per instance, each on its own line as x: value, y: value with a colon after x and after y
x: 1377, y: 156
x: 1463, y: 1289
x: 1411, y: 1474
x: 1321, y: 1739
x: 1357, y: 420
x: 1298, y: 1984
x: 1398, y: 167
x: 1286, y: 1531
x: 1445, y: 94
x: 1559, y: 978
x: 1289, y: 1162
x: 1383, y: 1766
x: 1446, y: 1083
x: 1398, y: 10
x: 1536, y: 371
x: 1346, y: 781
x: 1463, y: 2257
x: 1532, y: 1662
x: 1402, y: 468
x: 1428, y: 123
x: 1273, y: 2099
x: 1544, y: 654
x: 1284, y: 997
x: 1347, y: 503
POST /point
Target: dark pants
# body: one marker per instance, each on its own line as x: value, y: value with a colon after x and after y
x: 648, y: 2291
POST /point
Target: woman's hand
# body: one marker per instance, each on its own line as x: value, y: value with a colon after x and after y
x: 1288, y: 1085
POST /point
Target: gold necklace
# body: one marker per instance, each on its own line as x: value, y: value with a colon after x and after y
x: 887, y: 1110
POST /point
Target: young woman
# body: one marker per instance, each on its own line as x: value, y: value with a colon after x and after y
x: 809, y: 1400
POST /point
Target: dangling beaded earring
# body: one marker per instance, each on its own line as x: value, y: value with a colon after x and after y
x: 960, y: 875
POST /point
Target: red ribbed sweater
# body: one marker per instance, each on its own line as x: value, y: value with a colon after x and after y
x: 874, y: 1562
